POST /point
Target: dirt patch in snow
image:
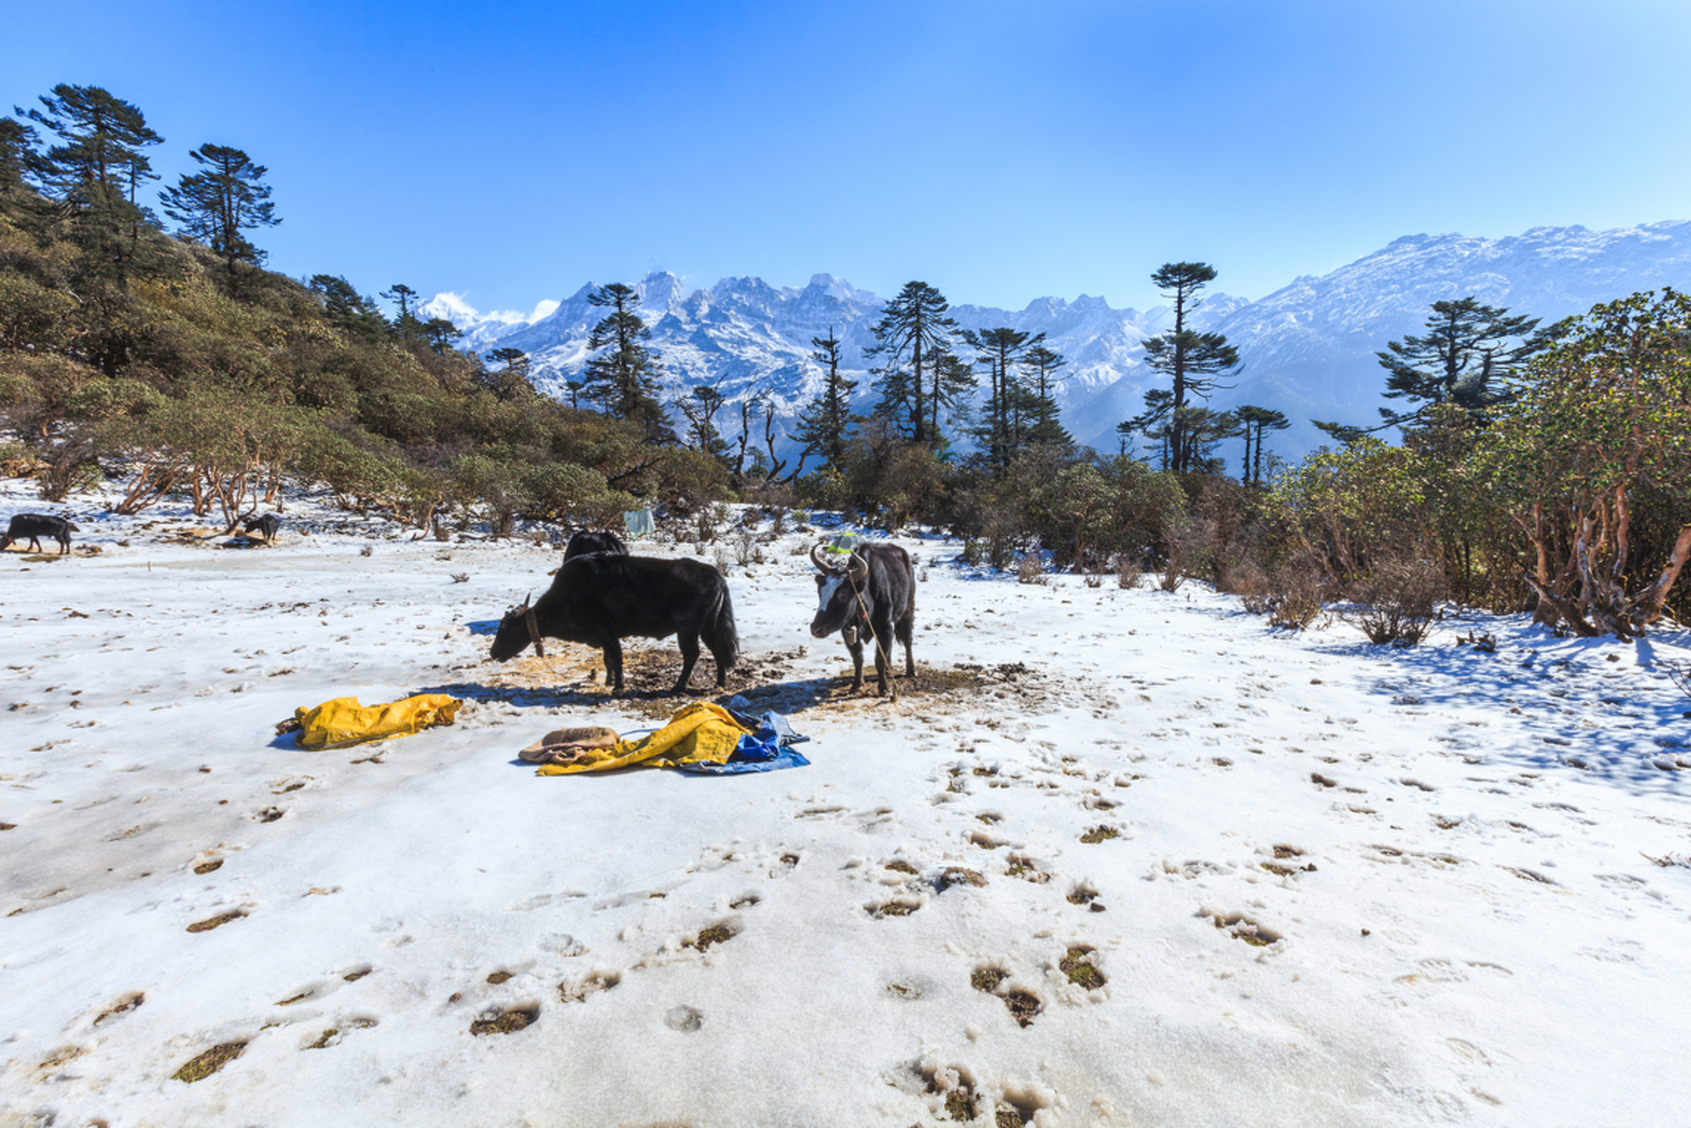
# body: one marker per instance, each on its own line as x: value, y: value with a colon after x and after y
x: 574, y: 675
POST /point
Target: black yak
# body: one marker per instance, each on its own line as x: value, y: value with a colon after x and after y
x: 266, y: 526
x: 602, y: 598
x: 35, y: 526
x: 594, y: 541
x: 874, y: 592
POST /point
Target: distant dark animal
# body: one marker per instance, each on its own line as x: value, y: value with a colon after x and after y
x: 874, y: 592
x: 594, y: 541
x: 266, y: 526
x: 35, y: 526
x: 602, y: 598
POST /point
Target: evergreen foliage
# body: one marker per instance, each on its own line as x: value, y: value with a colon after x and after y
x: 825, y: 422
x: 700, y: 408
x: 1253, y: 423
x: 96, y: 170
x: 407, y: 326
x: 1194, y: 363
x: 913, y: 325
x: 219, y: 203
x: 1042, y: 422
x: 17, y: 141
x: 1002, y: 352
x: 511, y: 381
x: 623, y: 379
x: 1467, y: 357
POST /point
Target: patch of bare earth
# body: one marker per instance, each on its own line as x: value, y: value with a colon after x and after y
x: 575, y: 675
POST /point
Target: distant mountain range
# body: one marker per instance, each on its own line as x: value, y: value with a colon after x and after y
x: 1307, y: 349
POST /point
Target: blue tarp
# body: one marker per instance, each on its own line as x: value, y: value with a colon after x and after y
x: 639, y: 522
x: 767, y: 748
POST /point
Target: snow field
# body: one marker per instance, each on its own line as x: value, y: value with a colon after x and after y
x: 1346, y: 884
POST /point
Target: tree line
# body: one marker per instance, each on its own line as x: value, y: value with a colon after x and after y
x: 1537, y: 468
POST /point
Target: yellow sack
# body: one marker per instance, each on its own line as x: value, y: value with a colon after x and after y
x: 702, y: 731
x: 343, y: 721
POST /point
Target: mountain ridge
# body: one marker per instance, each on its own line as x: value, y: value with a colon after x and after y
x: 1307, y: 348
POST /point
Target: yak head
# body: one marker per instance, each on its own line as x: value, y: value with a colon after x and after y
x: 517, y: 628
x: 842, y: 595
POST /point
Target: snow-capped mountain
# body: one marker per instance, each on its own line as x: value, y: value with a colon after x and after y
x: 1307, y: 349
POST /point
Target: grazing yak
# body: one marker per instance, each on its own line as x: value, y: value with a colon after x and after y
x: 874, y: 592
x: 602, y: 598
x: 588, y: 541
x: 35, y: 526
x: 266, y: 526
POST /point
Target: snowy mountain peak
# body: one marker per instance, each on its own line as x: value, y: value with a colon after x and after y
x: 1307, y: 349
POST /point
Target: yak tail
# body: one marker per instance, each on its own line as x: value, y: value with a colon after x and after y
x: 727, y: 638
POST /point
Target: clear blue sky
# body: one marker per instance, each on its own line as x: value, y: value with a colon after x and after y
x: 1000, y: 151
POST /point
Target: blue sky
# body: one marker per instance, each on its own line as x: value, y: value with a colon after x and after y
x: 1000, y: 151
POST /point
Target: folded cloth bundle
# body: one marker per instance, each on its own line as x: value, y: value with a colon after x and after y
x: 701, y: 731
x: 343, y: 721
x: 571, y: 745
x: 703, y: 738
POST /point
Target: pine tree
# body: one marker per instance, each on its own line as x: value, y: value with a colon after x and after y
x: 952, y: 389
x: 441, y: 334
x: 914, y: 325
x: 347, y: 309
x: 405, y: 326
x: 1194, y: 361
x: 1469, y: 352
x: 96, y: 170
x: 1044, y: 426
x: 1000, y: 351
x: 221, y: 202
x: 824, y: 421
x: 512, y: 381
x: 623, y: 379
x: 1253, y: 423
x: 17, y: 142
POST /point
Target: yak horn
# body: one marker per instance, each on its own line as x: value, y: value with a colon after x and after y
x: 857, y: 568
x: 816, y: 559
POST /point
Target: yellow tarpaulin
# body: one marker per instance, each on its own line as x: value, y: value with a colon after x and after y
x: 343, y: 721
x: 700, y: 732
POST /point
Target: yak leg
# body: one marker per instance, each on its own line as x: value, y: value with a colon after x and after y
x: 689, y: 657
x: 855, y: 645
x: 724, y: 658
x: 883, y: 639
x: 613, y: 664
x: 905, y: 627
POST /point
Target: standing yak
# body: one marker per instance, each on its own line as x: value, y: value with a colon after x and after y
x: 601, y: 598
x: 874, y: 593
x: 587, y: 541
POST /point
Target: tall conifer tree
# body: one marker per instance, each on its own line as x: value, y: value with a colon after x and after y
x: 17, y: 142
x: 1254, y: 423
x: 1045, y: 426
x: 824, y: 421
x: 623, y: 379
x: 96, y: 170
x: 912, y: 325
x: 217, y: 205
x: 1194, y: 362
x: 1000, y: 351
x: 1466, y: 357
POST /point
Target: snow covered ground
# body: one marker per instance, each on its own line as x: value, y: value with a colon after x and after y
x: 1347, y: 885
